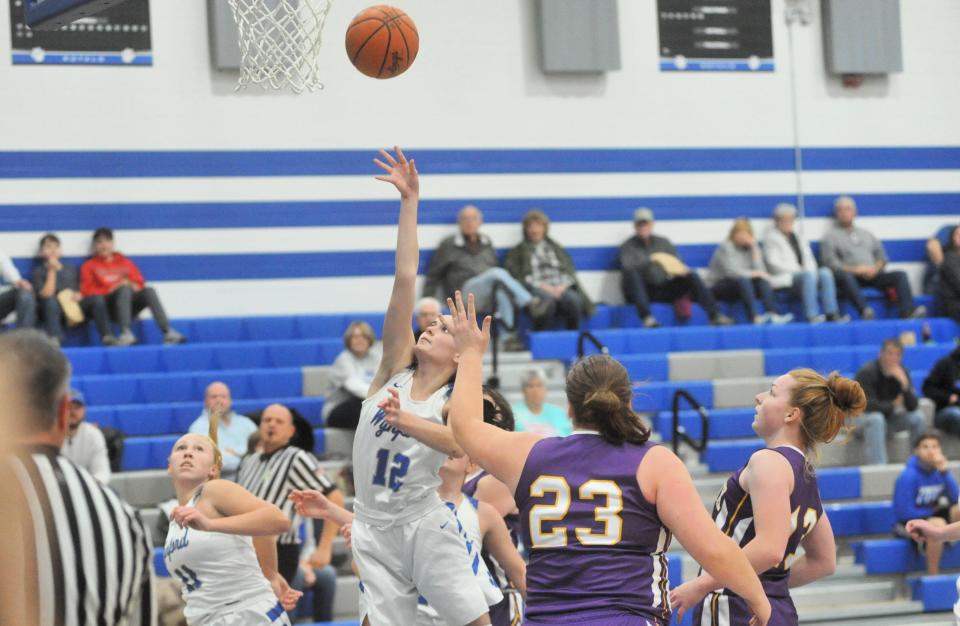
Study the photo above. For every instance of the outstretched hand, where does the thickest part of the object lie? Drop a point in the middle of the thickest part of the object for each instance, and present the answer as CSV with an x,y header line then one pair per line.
x,y
401,173
310,503
466,334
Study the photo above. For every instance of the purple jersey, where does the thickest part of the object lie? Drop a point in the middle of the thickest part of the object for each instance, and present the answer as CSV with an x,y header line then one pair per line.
x,y
733,514
597,547
512,520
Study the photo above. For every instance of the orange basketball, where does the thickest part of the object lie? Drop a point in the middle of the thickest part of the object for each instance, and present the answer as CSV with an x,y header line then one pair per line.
x,y
382,41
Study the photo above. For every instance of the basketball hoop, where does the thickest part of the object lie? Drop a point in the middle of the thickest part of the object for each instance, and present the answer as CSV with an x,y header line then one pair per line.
x,y
280,42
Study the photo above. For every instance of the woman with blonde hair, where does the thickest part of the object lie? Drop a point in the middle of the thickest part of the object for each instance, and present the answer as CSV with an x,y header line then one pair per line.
x,y
221,543
737,272
351,375
771,506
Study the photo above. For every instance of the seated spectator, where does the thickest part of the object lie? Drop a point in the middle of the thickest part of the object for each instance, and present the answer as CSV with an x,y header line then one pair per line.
x,y
534,414
935,248
737,272
948,277
942,385
109,274
792,265
55,282
16,294
426,311
926,490
85,444
546,269
651,270
351,375
891,402
320,578
468,261
858,259
233,430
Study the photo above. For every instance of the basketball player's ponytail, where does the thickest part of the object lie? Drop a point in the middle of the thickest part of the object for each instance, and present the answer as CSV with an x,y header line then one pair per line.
x,y
599,390
212,434
826,404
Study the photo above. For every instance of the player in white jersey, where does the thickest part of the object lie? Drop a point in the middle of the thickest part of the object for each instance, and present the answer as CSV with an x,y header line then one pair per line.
x,y
228,579
405,543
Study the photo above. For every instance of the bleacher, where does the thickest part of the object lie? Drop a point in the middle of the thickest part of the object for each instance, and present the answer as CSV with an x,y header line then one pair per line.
x,y
152,392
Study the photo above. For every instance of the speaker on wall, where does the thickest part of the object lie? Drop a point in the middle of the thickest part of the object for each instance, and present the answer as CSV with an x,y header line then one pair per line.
x,y
862,36
579,35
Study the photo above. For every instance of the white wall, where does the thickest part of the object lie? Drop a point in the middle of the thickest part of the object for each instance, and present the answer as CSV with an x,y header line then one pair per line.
x,y
475,84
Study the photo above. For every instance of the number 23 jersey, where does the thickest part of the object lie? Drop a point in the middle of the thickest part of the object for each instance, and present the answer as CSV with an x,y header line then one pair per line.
x,y
597,546
395,476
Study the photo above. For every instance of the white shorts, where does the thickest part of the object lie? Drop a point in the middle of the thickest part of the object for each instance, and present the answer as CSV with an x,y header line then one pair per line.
x,y
425,557
254,613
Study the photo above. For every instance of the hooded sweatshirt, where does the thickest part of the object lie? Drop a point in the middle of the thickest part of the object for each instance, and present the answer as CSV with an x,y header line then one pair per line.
x,y
919,489
98,276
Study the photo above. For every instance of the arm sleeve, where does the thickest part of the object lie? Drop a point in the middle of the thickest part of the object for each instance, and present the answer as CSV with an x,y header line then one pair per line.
x,y
904,499
910,401
514,264
951,484
829,255
303,474
88,281
933,385
38,278
8,270
135,276
879,254
950,274
100,459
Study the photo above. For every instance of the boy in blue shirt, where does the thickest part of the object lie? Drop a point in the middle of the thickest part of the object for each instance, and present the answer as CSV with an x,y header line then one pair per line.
x,y
926,490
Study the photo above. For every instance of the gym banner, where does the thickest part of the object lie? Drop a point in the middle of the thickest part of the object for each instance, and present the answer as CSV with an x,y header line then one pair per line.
x,y
119,35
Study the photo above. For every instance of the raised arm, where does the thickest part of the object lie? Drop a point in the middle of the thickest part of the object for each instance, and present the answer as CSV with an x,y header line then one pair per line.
x,y
664,480
500,452
496,540
241,512
397,326
433,435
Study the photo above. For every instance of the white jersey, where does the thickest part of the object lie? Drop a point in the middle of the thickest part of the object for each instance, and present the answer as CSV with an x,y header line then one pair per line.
x,y
395,476
216,571
468,525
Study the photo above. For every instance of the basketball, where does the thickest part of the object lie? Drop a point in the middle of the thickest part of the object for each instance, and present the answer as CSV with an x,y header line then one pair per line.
x,y
382,41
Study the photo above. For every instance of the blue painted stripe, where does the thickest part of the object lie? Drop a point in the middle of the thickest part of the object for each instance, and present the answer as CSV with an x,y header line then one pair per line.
x,y
60,217
124,164
381,262
715,65
82,58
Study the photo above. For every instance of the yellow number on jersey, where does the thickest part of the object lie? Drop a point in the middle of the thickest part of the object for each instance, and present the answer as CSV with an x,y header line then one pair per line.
x,y
809,521
608,513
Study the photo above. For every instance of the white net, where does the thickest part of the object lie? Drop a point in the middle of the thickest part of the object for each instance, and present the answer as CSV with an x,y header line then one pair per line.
x,y
280,42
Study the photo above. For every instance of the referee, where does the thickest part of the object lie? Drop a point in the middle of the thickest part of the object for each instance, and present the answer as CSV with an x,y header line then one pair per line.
x,y
276,471
86,557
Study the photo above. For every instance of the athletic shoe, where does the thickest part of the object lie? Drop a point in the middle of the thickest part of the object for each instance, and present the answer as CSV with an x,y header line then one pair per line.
x,y
172,336
777,319
126,338
868,313
919,312
722,320
650,321
837,318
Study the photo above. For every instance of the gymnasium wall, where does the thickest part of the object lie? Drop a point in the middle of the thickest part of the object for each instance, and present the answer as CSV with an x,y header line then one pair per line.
x,y
260,203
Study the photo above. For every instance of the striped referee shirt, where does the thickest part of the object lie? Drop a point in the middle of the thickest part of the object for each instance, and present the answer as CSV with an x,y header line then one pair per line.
x,y
88,555
272,476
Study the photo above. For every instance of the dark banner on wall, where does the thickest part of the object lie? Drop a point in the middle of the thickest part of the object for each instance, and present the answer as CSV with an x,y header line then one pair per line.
x,y
117,36
718,35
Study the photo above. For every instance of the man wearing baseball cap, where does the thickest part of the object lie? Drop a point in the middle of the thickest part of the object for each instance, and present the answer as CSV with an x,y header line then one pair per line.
x,y
651,270
85,444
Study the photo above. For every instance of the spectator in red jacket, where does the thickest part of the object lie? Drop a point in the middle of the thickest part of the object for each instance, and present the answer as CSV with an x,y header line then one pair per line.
x,y
110,274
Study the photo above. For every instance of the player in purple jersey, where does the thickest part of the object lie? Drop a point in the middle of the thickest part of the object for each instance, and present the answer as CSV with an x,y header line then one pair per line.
x,y
771,506
598,507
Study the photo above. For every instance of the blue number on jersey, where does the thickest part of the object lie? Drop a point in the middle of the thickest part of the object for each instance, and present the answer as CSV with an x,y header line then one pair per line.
x,y
188,577
401,464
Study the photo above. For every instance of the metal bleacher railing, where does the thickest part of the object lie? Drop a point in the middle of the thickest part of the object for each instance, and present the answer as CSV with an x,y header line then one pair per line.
x,y
493,380
679,432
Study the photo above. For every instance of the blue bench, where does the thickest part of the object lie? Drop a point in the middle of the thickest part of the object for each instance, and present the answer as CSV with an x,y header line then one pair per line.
x,y
938,593
894,556
850,519
724,423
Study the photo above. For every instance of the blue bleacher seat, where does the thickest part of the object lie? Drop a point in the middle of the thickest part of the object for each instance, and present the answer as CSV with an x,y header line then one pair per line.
x,y
319,441
186,358
183,414
645,367
280,382
938,593
648,340
85,362
239,356
726,456
133,360
828,359
746,337
327,351
776,361
861,518
219,329
177,387
293,353
694,338
310,408
271,328
145,419
838,483
102,416
106,390
553,345
889,556
237,381
136,454
320,326
724,423
787,336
